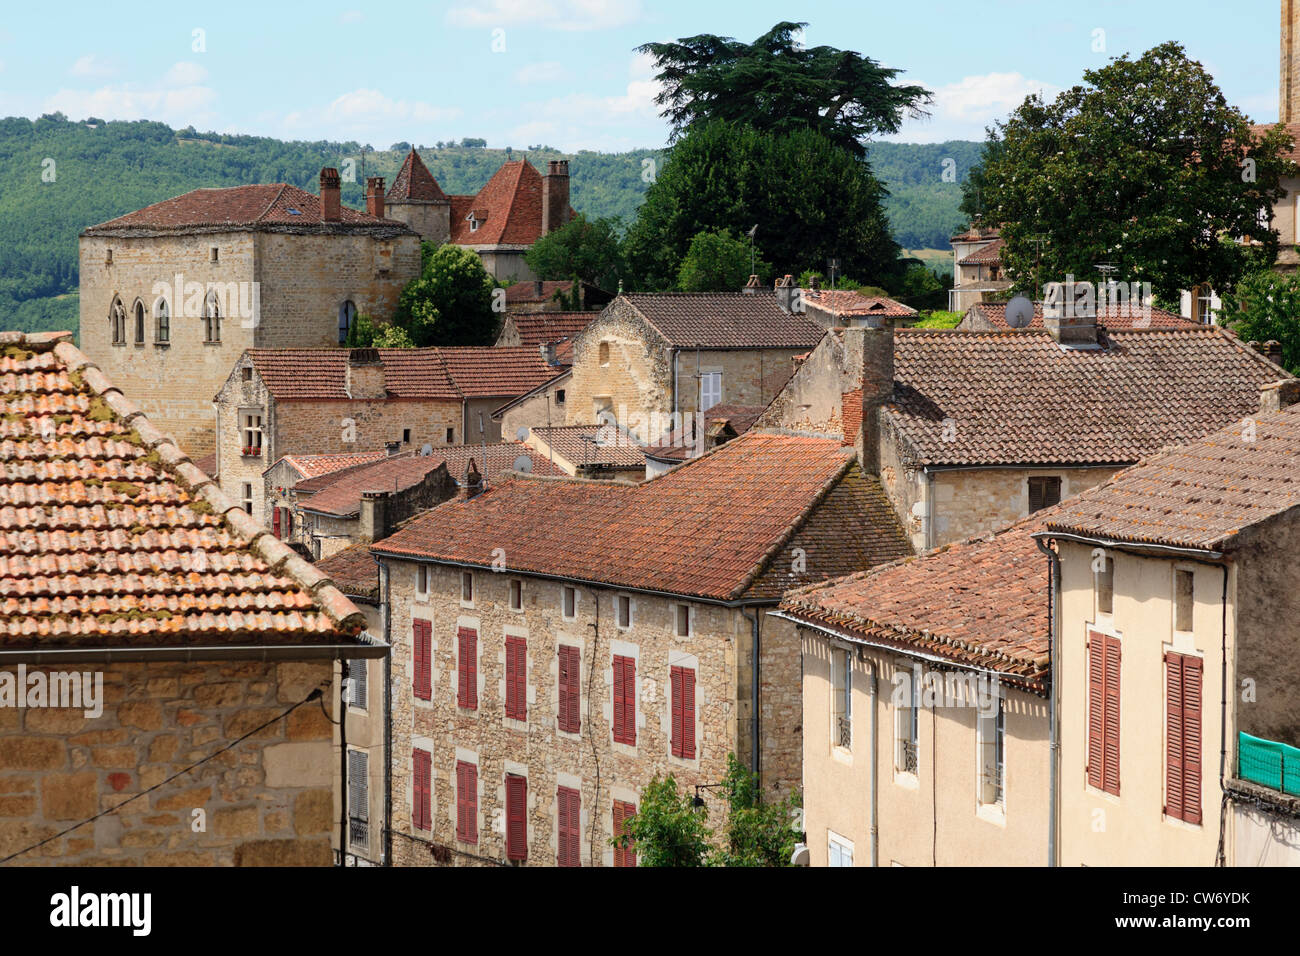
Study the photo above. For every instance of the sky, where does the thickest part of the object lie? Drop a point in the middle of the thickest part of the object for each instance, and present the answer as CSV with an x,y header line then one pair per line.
x,y
564,73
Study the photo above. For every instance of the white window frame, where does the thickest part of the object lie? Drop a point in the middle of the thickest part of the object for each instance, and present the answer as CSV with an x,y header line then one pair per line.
x,y
250,428
1100,615
911,716
358,683
996,723
713,379
247,496
838,849
1177,570
841,697
358,779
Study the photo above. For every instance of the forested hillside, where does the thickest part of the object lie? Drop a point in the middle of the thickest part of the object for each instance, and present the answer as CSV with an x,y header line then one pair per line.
x,y
59,176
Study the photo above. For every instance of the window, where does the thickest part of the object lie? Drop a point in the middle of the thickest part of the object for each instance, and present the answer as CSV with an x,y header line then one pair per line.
x,y
108,257
467,587
992,733
1183,737
423,576
710,390
251,426
604,354
559,396
1104,585
347,315
1043,493
451,435
162,317
624,700
842,698
359,798
467,668
1184,592
1103,712
682,619
281,522
516,678
516,595
246,373
406,436
421,789
624,605
839,851
683,712
466,801
570,691
213,254
909,728
137,312
569,610
568,848
358,677
623,812
117,321
1205,305
422,653
211,319
247,493
516,817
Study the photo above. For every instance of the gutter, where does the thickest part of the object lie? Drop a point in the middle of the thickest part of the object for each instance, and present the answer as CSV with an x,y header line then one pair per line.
x,y
1054,562
371,649
1134,547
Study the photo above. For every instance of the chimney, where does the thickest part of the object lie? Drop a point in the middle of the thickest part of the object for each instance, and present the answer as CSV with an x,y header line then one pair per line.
x,y
548,353
1069,327
876,379
374,515
814,283
555,195
469,485
1275,396
364,378
331,205
751,286
392,448
1273,351
786,294
375,196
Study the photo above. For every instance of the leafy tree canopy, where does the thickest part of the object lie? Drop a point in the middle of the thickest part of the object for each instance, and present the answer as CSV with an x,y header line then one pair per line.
x,y
586,248
776,84
451,301
1270,310
719,262
1144,166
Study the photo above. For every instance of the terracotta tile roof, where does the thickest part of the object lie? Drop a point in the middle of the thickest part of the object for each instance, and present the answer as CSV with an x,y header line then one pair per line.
x,y
111,537
353,571
538,328
310,466
414,181
849,302
725,320
607,445
525,291
509,207
989,255
709,529
1200,495
1112,317
207,464
740,418
1292,128
339,494
1019,398
258,207
448,374
982,603
976,233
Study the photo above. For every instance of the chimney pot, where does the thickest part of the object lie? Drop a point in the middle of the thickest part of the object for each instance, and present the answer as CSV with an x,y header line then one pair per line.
x,y
1275,396
555,195
787,294
375,196
331,203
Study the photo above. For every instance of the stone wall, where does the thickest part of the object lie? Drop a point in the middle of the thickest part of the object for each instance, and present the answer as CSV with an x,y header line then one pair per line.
x,y
537,411
267,801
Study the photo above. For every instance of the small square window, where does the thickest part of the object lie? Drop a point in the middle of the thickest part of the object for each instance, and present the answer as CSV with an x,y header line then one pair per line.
x,y
559,396
516,595
1044,493
1184,594
624,604
406,436
467,586
213,254
248,497
683,620
247,373
1105,586
570,608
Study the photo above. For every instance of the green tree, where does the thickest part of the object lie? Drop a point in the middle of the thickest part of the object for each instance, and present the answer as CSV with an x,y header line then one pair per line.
x,y
450,303
810,199
585,248
1144,166
778,85
1270,310
666,829
758,833
718,262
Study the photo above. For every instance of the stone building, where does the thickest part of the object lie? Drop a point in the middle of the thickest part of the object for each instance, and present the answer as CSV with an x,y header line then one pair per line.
x,y
553,295
173,294
977,267
1179,615
558,642
278,402
537,329
589,451
148,626
500,222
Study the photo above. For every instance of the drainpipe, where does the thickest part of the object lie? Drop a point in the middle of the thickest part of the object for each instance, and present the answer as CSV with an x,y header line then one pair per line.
x,y
343,764
1223,721
875,771
929,510
388,717
1054,562
753,691
674,418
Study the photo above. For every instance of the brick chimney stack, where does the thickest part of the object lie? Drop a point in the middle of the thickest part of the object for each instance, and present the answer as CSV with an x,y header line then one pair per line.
x,y
375,196
470,485
1275,396
365,377
331,202
877,386
787,294
1069,327
555,195
751,286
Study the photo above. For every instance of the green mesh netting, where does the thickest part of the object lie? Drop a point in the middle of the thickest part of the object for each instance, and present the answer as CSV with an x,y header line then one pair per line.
x,y
1269,764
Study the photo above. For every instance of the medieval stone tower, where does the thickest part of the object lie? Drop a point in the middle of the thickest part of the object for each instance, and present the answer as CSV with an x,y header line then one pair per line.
x,y
1289,92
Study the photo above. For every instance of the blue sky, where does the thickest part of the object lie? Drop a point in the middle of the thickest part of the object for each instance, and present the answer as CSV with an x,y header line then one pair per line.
x,y
564,72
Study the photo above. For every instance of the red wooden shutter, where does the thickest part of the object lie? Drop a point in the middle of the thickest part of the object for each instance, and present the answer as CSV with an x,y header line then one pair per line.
x,y
467,668
516,678
1110,772
676,675
422,639
1174,735
421,789
569,814
288,523
275,522
1103,711
1185,801
570,693
625,700
466,802
623,811
516,817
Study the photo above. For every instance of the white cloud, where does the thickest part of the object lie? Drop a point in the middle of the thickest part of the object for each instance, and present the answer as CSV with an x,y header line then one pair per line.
x,y
366,115
586,121
536,74
372,106
178,98
550,14
185,73
351,16
93,65
963,110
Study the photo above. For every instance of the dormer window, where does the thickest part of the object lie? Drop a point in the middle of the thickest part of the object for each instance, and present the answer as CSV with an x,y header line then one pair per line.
x,y
476,218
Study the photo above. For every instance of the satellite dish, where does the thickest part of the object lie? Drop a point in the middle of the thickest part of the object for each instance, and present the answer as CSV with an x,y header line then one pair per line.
x,y
523,464
1020,312
426,450
522,434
